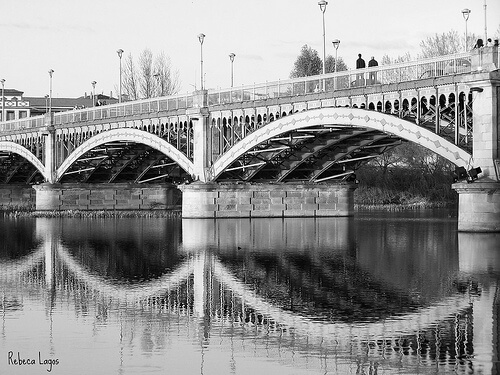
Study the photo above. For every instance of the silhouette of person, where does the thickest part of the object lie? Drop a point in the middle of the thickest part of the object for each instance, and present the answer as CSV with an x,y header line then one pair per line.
x,y
479,43
373,75
360,64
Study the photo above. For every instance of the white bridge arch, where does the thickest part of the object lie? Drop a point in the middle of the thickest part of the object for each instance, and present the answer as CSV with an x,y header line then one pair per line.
x,y
25,153
349,117
128,135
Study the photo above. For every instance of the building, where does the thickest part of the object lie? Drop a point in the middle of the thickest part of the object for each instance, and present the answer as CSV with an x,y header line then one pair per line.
x,y
16,106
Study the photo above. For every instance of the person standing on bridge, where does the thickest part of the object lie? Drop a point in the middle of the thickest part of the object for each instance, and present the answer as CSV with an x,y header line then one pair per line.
x,y
360,64
373,74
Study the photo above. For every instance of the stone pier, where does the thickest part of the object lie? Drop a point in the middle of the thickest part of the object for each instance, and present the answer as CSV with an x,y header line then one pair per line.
x,y
479,199
106,197
16,196
478,206
213,200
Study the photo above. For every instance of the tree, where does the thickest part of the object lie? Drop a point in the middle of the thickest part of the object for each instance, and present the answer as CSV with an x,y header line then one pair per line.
x,y
446,44
308,63
330,64
152,76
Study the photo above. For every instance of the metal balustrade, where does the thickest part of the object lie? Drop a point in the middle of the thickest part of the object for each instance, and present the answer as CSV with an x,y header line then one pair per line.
x,y
350,79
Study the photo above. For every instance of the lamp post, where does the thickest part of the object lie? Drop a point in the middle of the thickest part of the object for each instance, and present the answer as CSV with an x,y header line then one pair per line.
x,y
46,103
466,13
93,93
485,30
51,71
3,98
201,38
157,76
336,43
231,57
120,53
322,6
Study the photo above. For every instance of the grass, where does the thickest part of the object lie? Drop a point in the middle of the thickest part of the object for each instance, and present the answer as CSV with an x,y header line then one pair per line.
x,y
374,198
95,213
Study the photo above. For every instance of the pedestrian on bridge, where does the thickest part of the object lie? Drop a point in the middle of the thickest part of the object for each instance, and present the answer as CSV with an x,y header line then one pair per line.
x,y
360,64
373,74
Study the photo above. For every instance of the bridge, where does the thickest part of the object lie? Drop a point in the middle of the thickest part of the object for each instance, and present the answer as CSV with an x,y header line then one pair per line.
x,y
282,148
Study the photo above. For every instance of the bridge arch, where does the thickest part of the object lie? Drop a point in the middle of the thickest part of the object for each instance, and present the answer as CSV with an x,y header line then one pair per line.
x,y
25,153
130,135
348,117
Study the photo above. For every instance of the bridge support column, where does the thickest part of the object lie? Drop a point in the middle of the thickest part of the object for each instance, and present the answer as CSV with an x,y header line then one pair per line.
x,y
479,201
201,145
212,200
478,206
50,149
121,196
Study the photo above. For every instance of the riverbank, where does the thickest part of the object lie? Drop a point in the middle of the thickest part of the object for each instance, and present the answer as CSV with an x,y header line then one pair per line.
x,y
93,213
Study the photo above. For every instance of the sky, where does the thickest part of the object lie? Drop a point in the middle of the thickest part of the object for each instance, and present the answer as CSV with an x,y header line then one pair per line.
x,y
79,39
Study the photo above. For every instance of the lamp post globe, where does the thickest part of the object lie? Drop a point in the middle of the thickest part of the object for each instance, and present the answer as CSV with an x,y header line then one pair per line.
x,y
51,71
3,99
231,57
93,92
120,54
466,14
201,38
322,6
336,44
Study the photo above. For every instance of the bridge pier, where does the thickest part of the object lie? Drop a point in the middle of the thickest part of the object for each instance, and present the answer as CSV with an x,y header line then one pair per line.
x,y
479,200
478,206
58,197
213,200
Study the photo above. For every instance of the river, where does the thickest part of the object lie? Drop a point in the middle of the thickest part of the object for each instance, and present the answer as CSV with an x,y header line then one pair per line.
x,y
377,293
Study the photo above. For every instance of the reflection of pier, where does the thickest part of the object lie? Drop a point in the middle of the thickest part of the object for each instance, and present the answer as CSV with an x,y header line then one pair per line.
x,y
206,292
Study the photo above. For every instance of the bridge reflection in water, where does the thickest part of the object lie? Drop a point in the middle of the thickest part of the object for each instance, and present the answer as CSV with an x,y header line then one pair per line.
x,y
375,294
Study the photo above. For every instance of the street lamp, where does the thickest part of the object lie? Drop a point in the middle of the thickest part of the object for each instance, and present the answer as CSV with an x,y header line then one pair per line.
x,y
485,29
120,53
3,99
322,6
231,57
157,76
336,44
51,71
201,38
93,93
466,13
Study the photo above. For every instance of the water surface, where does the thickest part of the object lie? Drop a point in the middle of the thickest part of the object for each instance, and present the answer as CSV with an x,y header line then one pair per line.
x,y
380,293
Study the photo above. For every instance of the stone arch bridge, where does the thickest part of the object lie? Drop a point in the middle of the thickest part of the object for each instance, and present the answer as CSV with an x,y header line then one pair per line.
x,y
278,149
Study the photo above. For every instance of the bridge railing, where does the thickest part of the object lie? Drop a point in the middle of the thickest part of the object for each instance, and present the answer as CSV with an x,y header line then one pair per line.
x,y
126,109
383,74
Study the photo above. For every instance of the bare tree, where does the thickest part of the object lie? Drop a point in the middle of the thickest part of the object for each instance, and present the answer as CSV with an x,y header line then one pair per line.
x,y
152,76
146,79
129,79
167,81
446,44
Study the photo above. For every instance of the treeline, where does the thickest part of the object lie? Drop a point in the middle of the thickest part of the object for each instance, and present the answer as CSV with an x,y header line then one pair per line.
x,y
407,175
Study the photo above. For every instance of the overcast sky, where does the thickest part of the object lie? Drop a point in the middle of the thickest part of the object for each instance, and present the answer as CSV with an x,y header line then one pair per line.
x,y
79,39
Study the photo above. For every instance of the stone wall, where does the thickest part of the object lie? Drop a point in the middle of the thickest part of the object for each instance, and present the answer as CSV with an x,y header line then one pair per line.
x,y
106,197
210,200
478,206
17,197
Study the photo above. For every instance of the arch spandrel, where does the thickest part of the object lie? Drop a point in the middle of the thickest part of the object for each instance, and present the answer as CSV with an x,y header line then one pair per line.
x,y
349,117
25,153
127,135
